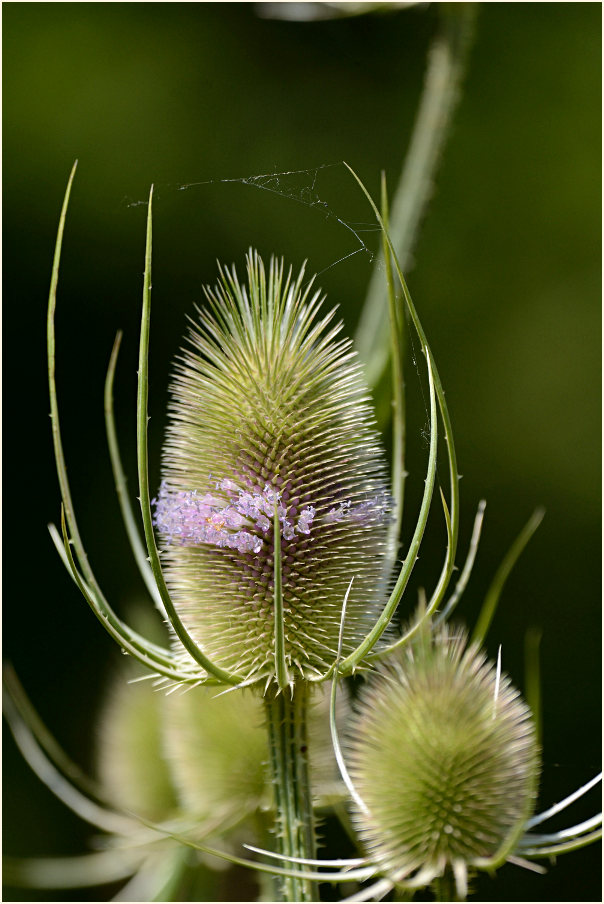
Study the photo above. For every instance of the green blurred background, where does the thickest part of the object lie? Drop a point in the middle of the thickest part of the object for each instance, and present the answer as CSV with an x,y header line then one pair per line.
x,y
506,277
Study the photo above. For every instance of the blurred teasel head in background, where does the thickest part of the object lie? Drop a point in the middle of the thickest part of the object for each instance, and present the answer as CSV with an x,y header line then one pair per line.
x,y
198,755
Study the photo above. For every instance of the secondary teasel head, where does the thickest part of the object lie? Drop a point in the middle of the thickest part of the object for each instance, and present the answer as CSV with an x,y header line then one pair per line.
x,y
270,414
444,758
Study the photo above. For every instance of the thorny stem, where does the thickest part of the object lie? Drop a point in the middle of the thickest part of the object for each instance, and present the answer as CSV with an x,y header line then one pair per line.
x,y
286,719
444,887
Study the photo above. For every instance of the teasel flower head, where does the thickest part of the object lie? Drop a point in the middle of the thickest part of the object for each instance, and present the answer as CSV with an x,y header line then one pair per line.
x,y
216,749
193,754
444,758
130,762
270,425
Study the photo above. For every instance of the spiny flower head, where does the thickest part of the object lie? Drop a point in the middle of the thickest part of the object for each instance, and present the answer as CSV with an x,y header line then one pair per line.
x,y
217,751
269,418
444,757
129,748
197,754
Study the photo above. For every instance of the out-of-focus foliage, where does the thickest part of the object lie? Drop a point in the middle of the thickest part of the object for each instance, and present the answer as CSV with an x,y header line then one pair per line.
x,y
507,276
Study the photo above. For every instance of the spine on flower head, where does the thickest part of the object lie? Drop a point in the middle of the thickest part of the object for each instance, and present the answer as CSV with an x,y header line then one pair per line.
x,y
269,413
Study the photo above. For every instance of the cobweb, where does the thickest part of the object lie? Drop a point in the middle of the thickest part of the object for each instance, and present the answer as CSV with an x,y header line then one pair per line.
x,y
300,186
297,186
311,188
305,187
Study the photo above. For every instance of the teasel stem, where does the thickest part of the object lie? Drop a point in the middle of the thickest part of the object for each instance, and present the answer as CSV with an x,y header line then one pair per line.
x,y
445,888
447,58
286,720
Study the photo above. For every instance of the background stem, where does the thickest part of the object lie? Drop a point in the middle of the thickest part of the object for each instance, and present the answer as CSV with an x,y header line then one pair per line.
x,y
446,65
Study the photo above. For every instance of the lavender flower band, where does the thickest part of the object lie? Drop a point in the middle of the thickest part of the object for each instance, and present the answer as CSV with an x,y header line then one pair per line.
x,y
187,518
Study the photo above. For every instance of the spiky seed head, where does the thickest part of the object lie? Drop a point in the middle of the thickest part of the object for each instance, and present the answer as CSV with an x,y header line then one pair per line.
x,y
194,752
129,750
216,747
198,753
269,411
443,754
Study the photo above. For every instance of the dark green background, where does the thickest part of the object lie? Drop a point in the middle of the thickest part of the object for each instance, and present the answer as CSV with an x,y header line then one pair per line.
x,y
506,277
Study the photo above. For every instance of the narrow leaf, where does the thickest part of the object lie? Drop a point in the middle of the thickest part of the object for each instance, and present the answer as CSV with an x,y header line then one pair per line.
x,y
81,871
88,576
464,577
143,473
136,543
397,340
532,678
563,804
352,661
493,595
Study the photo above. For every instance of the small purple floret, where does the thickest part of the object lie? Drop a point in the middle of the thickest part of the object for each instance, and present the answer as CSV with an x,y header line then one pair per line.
x,y
372,510
305,520
188,518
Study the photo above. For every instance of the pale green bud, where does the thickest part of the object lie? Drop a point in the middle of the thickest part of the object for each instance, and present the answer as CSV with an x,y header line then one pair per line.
x,y
443,754
200,753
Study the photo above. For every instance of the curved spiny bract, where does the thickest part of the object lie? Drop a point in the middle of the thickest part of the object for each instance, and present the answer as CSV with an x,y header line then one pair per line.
x,y
269,412
443,755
